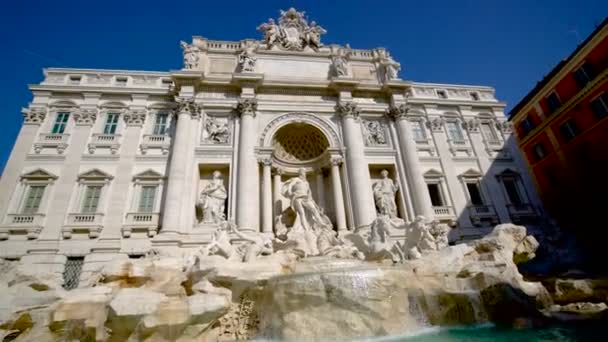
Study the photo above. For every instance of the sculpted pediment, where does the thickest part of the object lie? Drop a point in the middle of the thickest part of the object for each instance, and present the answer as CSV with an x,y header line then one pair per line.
x,y
38,174
95,174
148,174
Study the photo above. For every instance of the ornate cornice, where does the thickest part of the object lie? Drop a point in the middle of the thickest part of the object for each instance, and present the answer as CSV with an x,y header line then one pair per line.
x,y
85,116
347,109
134,116
33,115
188,105
247,107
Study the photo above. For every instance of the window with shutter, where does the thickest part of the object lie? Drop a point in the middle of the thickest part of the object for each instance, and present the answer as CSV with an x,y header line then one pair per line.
x,y
33,199
111,123
91,198
61,121
146,200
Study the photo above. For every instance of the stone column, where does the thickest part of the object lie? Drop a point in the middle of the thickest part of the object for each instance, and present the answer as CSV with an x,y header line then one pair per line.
x,y
356,165
419,192
247,205
336,184
276,197
266,196
178,167
320,188
33,117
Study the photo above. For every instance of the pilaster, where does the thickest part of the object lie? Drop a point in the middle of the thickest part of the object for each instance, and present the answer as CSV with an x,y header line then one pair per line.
x,y
248,188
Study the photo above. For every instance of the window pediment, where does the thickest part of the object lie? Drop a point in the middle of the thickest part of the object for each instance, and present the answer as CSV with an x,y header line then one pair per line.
x,y
95,174
506,173
148,175
38,174
433,173
471,173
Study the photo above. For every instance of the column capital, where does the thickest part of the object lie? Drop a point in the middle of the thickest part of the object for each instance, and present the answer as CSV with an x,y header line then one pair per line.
x,y
347,109
134,116
85,116
436,124
278,171
247,106
188,105
336,161
505,126
471,125
398,112
265,161
33,115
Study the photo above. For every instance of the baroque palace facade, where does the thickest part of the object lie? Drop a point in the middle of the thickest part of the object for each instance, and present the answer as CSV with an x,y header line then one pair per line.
x,y
119,162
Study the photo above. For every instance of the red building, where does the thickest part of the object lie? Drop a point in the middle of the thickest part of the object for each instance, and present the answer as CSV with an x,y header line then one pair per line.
x,y
562,129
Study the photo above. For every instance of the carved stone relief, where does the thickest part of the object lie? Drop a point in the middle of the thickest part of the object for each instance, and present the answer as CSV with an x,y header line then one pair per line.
x,y
292,32
216,131
374,133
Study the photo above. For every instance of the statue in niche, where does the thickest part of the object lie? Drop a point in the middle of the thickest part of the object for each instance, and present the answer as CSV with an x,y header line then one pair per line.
x,y
374,133
191,55
247,60
339,64
212,200
217,131
384,195
309,215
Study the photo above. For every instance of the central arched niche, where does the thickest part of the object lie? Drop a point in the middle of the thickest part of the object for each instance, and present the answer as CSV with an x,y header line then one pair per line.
x,y
299,144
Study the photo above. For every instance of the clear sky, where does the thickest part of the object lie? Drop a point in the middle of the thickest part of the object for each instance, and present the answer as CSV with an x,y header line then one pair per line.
x,y
508,45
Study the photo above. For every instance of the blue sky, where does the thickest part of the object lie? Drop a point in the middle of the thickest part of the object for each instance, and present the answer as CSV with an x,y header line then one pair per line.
x,y
508,45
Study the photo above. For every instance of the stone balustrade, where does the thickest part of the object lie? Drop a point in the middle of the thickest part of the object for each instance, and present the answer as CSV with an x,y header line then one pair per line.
x,y
110,141
90,223
56,141
143,222
155,141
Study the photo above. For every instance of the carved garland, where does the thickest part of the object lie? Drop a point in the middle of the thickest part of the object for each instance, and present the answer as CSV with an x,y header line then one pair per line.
x,y
134,117
278,122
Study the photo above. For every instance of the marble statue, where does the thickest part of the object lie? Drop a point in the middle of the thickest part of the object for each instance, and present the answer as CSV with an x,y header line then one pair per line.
x,y
339,65
191,55
390,67
385,191
216,131
255,245
213,199
374,133
292,32
247,60
271,31
220,244
312,35
309,216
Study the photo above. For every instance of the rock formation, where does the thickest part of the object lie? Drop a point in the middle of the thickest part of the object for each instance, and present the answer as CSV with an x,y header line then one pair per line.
x,y
217,298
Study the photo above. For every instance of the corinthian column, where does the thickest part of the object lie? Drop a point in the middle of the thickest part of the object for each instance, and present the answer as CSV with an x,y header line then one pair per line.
x,y
266,196
178,167
336,185
356,165
248,189
420,198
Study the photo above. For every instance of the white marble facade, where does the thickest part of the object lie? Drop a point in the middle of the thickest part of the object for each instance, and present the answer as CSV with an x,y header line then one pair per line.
x,y
112,161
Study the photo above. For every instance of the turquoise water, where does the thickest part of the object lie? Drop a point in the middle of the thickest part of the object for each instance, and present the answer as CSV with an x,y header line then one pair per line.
x,y
581,332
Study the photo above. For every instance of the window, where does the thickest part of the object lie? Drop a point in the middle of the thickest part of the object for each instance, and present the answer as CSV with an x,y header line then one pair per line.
x,y
75,79
599,106
121,81
527,125
111,123
454,131
538,151
553,102
568,130
474,96
33,199
91,198
61,120
435,193
71,273
160,125
488,132
442,94
512,191
146,199
583,75
474,194
418,131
